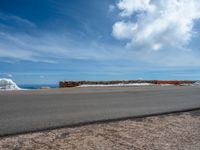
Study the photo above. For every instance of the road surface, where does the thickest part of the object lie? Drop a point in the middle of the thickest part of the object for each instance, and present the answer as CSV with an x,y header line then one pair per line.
x,y
28,111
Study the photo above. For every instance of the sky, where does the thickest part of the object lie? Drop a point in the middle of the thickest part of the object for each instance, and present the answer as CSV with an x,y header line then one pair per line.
x,y
43,42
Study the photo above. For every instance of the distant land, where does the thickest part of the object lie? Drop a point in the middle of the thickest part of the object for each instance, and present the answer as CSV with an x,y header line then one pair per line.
x,y
64,84
8,84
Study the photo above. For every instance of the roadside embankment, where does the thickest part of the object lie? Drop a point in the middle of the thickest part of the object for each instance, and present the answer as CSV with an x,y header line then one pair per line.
x,y
65,84
167,132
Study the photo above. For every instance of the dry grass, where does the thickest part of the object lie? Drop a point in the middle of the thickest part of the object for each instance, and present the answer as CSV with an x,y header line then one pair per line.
x,y
170,132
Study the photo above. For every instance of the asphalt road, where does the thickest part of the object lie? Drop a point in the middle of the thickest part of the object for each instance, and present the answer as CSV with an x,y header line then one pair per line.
x,y
26,111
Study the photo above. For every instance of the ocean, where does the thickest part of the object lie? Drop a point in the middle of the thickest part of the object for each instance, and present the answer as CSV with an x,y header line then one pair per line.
x,y
37,86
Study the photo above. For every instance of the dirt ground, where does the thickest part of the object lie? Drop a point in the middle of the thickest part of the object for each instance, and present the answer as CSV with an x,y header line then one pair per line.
x,y
166,132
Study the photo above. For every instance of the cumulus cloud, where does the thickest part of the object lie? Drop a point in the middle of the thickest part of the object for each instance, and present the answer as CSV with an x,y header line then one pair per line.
x,y
129,7
156,24
124,30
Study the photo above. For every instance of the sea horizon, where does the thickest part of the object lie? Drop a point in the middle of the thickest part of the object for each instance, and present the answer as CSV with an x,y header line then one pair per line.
x,y
37,86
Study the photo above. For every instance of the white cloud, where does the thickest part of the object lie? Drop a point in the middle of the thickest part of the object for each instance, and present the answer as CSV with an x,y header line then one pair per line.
x,y
129,7
156,24
122,30
143,32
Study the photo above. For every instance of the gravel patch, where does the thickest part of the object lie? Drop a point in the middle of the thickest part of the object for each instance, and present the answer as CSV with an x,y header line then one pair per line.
x,y
167,132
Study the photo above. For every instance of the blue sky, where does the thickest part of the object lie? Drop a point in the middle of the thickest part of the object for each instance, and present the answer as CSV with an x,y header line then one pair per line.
x,y
43,42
